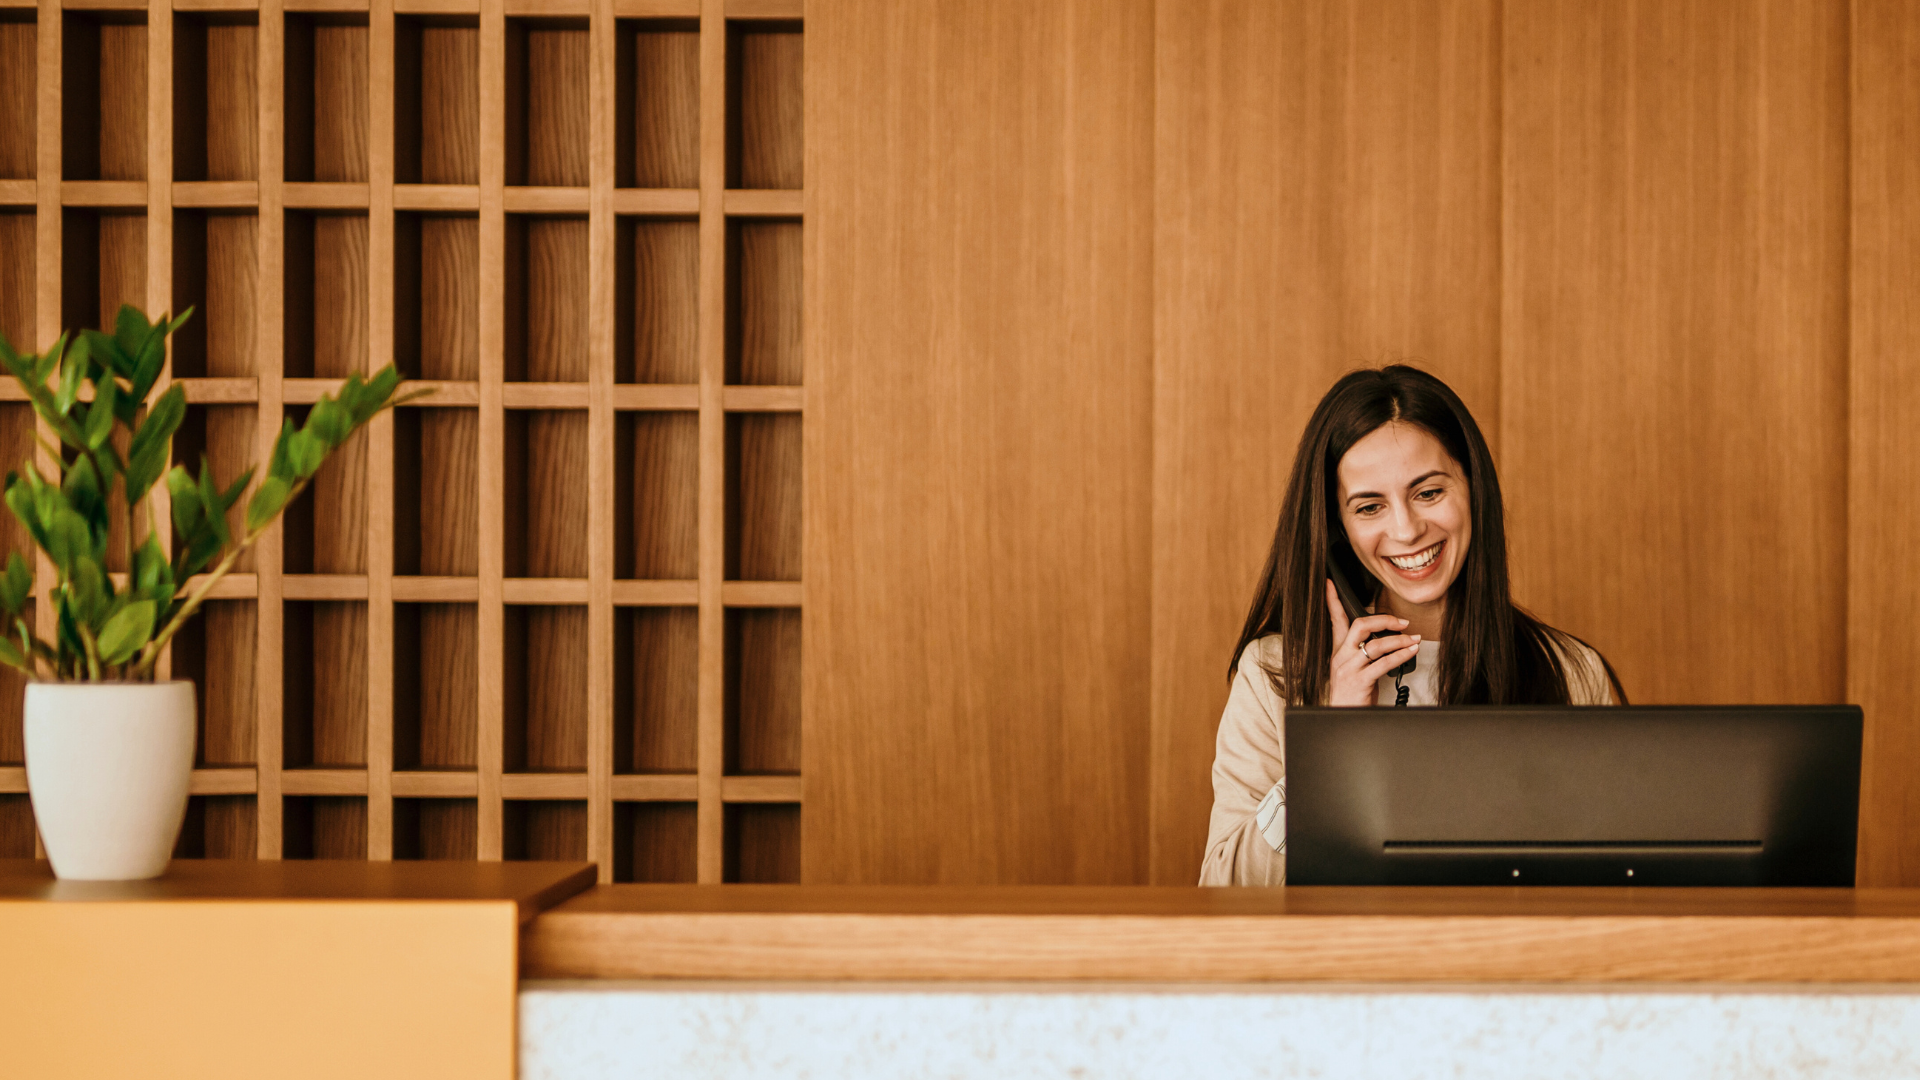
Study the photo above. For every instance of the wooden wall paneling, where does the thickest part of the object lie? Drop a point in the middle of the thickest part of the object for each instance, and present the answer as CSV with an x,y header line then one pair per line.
x,y
657,137
19,102
19,839
492,473
979,416
654,842
436,494
548,298
452,830
216,272
325,287
103,264
326,827
658,321
50,237
1883,592
763,691
437,305
223,436
657,691
545,829
275,331
435,828
1327,198
218,827
710,856
765,105
764,843
546,493
326,531
764,521
1675,337
603,300
548,72
17,422
326,98
325,674
104,94
437,98
763,303
18,272
545,668
215,92
216,650
436,682
656,500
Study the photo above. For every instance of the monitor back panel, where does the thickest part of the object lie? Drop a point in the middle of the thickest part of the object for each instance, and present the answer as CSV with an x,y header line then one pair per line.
x,y
1474,795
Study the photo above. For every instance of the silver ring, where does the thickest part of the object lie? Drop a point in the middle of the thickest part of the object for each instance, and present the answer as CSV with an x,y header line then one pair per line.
x,y
1364,652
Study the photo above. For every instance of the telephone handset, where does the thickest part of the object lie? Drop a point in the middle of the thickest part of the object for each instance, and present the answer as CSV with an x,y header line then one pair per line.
x,y
1350,600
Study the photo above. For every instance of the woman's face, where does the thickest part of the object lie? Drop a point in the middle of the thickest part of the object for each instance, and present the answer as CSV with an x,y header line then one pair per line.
x,y
1403,500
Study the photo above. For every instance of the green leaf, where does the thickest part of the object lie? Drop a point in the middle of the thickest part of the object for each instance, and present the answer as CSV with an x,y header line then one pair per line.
x,y
25,508
146,368
98,427
267,502
16,585
92,593
83,491
232,494
131,330
188,513
152,576
43,365
306,453
10,655
330,421
179,321
73,373
280,464
108,351
210,496
126,632
70,540
153,443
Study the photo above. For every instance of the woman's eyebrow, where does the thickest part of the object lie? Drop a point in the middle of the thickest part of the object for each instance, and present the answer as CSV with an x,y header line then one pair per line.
x,y
1426,476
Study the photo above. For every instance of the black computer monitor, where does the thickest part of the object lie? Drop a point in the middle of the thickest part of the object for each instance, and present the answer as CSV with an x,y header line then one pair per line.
x,y
1572,795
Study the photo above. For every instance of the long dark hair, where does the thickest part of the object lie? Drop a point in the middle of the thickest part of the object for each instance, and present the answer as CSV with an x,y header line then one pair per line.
x,y
1495,654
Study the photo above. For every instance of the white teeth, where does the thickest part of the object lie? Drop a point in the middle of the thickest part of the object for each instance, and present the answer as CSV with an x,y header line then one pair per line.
x,y
1416,560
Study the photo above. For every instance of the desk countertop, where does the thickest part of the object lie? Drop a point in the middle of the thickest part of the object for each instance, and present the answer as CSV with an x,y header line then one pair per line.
x,y
1351,935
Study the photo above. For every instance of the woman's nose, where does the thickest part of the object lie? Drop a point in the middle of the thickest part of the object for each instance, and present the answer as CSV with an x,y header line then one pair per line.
x,y
1404,528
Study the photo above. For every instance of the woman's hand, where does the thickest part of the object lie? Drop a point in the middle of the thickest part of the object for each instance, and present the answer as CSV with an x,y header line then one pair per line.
x,y
1354,671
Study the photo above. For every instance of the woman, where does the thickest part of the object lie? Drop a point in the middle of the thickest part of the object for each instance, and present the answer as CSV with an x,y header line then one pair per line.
x,y
1393,490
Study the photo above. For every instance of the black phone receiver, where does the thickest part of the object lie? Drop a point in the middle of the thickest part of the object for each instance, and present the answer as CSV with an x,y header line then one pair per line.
x,y
1350,600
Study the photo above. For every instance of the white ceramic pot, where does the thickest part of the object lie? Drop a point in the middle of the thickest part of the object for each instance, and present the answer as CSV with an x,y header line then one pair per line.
x,y
108,766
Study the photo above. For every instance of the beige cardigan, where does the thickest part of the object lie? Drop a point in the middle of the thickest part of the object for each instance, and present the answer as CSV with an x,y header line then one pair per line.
x,y
1247,839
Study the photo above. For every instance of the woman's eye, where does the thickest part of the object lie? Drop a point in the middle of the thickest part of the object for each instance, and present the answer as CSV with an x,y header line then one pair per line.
x,y
1367,509
1430,494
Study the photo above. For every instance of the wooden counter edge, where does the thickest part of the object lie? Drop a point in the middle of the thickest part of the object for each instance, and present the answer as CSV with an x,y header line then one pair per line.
x,y
1224,949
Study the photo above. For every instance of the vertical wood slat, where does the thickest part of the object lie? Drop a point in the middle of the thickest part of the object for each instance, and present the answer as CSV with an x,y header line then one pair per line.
x,y
270,615
159,296
47,276
492,333
1883,594
379,460
601,319
713,360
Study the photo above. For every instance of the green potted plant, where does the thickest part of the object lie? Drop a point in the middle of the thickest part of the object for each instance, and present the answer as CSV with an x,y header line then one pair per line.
x,y
110,750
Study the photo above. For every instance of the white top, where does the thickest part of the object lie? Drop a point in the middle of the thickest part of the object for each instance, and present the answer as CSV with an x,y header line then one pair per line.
x,y
1247,838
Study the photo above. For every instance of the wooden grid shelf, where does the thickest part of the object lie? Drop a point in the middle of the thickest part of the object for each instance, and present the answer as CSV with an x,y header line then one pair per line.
x,y
552,610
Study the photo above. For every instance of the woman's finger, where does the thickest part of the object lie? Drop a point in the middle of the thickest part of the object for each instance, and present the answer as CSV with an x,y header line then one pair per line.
x,y
1382,665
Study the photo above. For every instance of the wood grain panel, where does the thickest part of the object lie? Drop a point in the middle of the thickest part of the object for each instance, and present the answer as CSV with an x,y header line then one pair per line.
x,y
103,264
19,104
546,494
656,691
104,96
218,827
1883,590
764,106
222,436
654,842
325,827
1328,198
216,98
763,844
657,335
763,691
435,828
325,295
325,530
546,316
436,281
325,650
436,681
216,650
216,272
1674,392
18,834
764,524
547,97
657,509
763,303
13,690
978,441
657,103
437,101
545,830
545,670
326,98
436,497
18,279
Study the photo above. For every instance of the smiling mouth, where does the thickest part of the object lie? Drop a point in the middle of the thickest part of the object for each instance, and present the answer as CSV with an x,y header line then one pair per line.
x,y
1417,561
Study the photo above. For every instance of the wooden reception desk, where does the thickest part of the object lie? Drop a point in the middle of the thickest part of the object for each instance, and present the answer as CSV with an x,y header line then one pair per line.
x,y
1318,935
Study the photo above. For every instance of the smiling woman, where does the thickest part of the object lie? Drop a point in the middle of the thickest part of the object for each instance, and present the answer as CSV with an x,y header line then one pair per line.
x,y
1392,489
